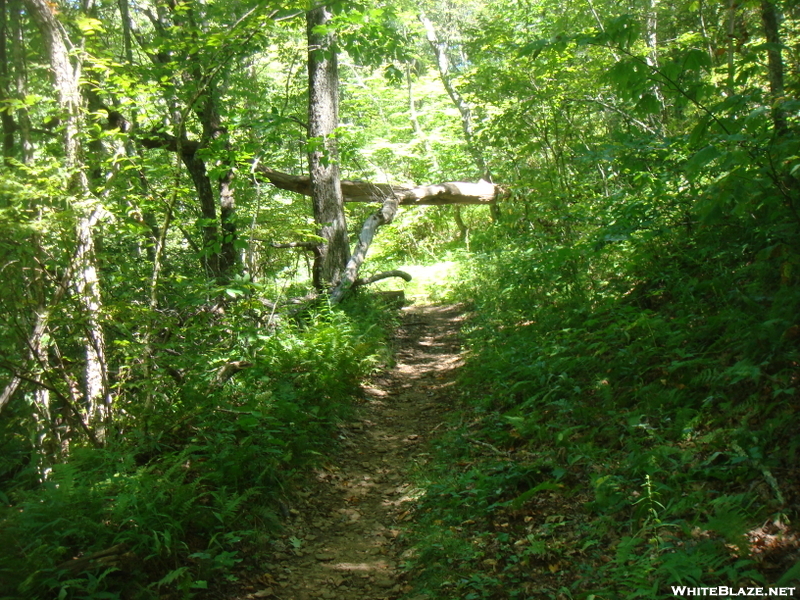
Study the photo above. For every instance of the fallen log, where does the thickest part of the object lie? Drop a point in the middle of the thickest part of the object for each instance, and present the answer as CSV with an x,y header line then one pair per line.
x,y
451,192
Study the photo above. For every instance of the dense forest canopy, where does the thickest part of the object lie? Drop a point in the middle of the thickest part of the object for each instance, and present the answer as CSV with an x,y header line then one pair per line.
x,y
195,194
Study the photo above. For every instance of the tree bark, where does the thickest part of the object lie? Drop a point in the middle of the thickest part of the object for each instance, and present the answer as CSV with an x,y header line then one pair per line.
x,y
208,208
770,17
215,134
733,5
450,192
326,192
20,76
383,216
651,39
66,77
6,117
213,130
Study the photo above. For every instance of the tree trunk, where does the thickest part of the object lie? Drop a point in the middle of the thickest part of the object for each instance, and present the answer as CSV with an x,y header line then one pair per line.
x,y
651,39
450,192
213,130
463,230
6,117
208,208
732,7
326,193
66,76
443,64
20,76
87,284
127,38
383,216
770,18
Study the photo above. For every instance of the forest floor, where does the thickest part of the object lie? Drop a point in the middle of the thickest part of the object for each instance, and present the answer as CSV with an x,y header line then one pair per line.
x,y
343,537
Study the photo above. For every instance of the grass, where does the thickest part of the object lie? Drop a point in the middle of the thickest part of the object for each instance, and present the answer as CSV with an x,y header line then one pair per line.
x,y
635,426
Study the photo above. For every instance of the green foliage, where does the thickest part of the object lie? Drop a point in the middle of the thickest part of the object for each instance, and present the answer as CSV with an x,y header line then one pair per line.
x,y
200,465
633,340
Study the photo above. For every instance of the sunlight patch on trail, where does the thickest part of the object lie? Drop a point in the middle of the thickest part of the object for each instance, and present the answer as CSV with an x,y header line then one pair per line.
x,y
429,283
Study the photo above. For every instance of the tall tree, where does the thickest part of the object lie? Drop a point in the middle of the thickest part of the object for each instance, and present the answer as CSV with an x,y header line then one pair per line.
x,y
332,254
771,19
66,72
6,116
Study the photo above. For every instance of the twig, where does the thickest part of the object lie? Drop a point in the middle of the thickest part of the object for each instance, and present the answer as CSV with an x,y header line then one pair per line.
x,y
486,445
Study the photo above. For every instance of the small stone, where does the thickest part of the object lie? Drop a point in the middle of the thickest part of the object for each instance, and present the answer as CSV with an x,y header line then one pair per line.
x,y
263,593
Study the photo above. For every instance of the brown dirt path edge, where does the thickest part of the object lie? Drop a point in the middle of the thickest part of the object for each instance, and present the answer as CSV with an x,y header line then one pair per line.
x,y
341,542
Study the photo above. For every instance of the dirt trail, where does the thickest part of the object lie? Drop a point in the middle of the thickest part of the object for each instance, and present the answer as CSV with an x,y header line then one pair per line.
x,y
342,541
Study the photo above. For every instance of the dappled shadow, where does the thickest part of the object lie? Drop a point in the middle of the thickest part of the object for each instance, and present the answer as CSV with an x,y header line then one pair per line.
x,y
342,535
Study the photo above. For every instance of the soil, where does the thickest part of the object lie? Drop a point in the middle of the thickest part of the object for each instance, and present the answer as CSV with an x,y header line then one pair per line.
x,y
342,541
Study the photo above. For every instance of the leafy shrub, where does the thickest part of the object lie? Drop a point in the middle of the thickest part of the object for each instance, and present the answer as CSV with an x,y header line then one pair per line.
x,y
202,466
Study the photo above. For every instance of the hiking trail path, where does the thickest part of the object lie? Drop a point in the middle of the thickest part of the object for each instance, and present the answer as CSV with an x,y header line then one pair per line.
x,y
342,539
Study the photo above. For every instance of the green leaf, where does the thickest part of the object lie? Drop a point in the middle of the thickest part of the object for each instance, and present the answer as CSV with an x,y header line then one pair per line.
x,y
533,48
89,26
172,576
517,502
696,59
700,160
648,105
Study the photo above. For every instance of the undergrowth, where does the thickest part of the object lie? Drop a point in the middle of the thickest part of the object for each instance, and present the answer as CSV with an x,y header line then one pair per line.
x,y
201,467
628,422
